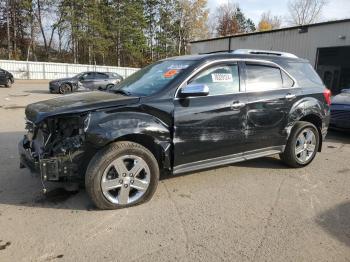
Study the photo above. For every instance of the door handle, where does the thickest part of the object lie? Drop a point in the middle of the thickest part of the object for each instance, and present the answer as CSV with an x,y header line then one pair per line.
x,y
290,96
237,105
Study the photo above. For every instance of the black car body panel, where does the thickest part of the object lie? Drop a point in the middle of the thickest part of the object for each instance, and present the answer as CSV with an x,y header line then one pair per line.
x,y
340,111
184,134
5,76
75,103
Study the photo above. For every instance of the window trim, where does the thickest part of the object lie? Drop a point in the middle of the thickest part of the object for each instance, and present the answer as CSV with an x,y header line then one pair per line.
x,y
240,61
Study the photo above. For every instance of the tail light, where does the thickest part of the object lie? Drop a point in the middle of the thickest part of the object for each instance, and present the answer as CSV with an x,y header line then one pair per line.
x,y
327,96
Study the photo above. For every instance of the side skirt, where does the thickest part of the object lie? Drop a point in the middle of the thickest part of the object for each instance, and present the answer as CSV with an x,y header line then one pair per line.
x,y
229,159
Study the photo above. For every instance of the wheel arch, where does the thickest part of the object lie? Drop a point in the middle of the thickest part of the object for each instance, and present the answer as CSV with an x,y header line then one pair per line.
x,y
158,149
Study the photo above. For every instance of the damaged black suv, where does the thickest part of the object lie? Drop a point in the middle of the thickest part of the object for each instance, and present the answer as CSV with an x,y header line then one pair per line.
x,y
178,115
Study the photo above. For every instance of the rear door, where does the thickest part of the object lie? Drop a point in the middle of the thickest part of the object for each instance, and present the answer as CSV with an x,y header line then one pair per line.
x,y
270,93
211,126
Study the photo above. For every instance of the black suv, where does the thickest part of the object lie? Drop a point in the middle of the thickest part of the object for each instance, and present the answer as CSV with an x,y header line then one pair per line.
x,y
180,115
85,81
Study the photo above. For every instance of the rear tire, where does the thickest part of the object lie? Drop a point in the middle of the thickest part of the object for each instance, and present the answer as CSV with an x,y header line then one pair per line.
x,y
121,175
302,145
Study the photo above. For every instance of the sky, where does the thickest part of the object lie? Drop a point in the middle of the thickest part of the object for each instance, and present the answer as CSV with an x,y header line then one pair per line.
x,y
335,9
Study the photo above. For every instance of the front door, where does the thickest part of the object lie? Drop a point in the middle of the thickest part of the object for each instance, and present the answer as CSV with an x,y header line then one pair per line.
x,y
270,95
87,81
211,126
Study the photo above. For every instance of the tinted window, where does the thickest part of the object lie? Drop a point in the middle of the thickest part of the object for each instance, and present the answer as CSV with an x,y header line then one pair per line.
x,y
287,81
101,76
304,74
223,79
260,78
88,76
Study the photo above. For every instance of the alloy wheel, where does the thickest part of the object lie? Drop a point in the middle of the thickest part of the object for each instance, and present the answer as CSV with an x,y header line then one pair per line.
x,y
125,180
305,145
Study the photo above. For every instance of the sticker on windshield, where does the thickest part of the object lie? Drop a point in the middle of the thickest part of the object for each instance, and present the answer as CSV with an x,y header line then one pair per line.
x,y
170,73
222,78
178,67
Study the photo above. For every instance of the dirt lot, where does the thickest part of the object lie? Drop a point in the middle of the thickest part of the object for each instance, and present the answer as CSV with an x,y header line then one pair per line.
x,y
253,211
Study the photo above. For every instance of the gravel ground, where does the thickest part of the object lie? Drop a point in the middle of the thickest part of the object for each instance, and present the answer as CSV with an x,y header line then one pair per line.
x,y
258,210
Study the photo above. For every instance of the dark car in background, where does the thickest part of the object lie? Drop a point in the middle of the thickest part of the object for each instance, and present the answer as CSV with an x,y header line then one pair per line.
x,y
85,81
6,78
340,110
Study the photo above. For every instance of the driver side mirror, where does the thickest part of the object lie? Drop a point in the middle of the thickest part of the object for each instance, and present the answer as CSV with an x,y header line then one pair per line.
x,y
194,90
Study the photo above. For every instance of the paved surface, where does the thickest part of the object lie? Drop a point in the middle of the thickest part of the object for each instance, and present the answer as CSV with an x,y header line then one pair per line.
x,y
252,211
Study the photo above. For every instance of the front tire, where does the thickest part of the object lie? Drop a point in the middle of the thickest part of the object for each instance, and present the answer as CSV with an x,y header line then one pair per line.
x,y
8,83
65,89
123,174
302,145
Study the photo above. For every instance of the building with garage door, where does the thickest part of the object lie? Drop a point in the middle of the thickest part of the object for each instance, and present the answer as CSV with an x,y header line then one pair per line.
x,y
326,45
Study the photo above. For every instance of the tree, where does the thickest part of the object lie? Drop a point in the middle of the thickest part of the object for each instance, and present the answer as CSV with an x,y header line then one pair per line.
x,y
269,22
191,17
231,20
303,12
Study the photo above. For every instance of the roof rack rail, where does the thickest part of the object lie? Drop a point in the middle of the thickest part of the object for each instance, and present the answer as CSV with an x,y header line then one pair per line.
x,y
263,52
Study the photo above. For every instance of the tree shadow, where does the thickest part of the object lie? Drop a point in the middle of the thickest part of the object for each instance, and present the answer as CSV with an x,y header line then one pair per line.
x,y
336,222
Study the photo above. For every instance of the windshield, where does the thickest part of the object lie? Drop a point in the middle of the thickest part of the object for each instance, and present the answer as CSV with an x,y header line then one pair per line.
x,y
153,78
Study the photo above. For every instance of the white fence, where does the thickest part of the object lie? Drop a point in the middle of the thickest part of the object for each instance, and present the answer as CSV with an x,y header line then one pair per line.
x,y
42,70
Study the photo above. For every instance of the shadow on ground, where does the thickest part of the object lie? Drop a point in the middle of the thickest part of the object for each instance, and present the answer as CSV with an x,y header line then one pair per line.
x,y
336,221
46,92
339,137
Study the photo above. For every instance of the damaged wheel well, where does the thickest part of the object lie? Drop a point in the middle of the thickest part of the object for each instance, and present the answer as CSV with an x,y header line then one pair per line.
x,y
149,143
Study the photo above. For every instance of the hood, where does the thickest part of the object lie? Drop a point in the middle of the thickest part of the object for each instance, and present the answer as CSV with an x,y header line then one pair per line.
x,y
76,103
341,99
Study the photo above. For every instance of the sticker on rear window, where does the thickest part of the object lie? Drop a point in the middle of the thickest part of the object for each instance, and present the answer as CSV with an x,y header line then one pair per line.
x,y
223,78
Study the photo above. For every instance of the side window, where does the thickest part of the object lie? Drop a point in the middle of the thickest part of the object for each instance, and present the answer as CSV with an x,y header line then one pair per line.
x,y
89,76
287,81
261,77
101,76
221,79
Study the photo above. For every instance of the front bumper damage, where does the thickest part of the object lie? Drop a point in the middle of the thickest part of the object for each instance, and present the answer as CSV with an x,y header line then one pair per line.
x,y
50,169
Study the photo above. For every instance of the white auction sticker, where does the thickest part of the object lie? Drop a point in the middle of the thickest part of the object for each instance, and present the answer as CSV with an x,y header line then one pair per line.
x,y
222,78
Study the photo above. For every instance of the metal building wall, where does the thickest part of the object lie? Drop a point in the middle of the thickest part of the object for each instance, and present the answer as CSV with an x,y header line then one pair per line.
x,y
302,44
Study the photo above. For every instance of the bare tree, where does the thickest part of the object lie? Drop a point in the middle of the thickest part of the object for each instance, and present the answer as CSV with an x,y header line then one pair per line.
x,y
303,12
227,23
269,22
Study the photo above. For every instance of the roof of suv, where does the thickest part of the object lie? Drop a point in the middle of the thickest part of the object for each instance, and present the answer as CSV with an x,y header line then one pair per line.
x,y
227,55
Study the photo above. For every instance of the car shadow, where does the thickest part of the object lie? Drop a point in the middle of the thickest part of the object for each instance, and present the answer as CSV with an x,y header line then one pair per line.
x,y
336,222
338,136
37,92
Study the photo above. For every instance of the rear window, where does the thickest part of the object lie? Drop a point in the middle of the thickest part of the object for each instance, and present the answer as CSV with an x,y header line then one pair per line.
x,y
304,74
260,78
